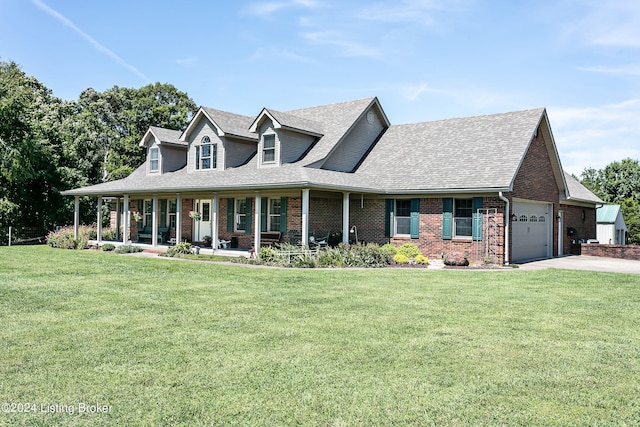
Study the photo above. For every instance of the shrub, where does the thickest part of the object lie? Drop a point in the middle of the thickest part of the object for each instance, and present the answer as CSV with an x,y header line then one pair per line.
x,y
409,250
65,239
421,259
401,258
456,259
389,248
107,247
109,234
128,249
181,248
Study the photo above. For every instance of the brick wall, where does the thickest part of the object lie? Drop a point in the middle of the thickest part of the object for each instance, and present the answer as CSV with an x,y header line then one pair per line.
x,y
611,251
585,226
368,217
536,181
325,215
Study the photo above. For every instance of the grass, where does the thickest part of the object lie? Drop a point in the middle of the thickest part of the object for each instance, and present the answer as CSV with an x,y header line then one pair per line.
x,y
167,342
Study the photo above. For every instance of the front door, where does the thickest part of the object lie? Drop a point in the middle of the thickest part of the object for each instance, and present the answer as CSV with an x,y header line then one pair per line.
x,y
202,227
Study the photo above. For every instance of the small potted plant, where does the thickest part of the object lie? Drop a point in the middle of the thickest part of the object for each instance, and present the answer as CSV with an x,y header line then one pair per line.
x,y
137,216
207,240
194,215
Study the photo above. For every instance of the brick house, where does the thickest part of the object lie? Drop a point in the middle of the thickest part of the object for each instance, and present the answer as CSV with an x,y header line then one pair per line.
x,y
488,186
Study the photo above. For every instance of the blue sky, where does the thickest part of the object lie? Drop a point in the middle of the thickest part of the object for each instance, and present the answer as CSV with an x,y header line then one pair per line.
x,y
424,59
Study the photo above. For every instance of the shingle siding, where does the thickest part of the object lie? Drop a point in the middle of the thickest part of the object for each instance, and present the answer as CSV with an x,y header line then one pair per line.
x,y
355,145
204,129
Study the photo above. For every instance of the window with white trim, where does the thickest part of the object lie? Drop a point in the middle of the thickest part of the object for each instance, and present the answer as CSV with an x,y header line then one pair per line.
x,y
154,159
268,148
402,217
172,213
274,214
240,215
463,218
148,210
206,154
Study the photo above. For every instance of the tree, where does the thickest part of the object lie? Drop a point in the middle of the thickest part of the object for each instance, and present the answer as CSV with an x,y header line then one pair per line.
x,y
30,151
631,214
619,183
615,182
108,126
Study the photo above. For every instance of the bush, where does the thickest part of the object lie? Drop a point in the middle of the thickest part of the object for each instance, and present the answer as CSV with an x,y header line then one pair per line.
x,y
108,247
401,259
181,248
409,250
456,259
128,249
389,248
65,239
421,259
109,234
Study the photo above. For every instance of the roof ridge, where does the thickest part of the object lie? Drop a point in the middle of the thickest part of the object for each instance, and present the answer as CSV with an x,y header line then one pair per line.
x,y
451,119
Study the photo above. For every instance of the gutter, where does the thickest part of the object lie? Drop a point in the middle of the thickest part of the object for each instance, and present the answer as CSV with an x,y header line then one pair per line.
x,y
506,228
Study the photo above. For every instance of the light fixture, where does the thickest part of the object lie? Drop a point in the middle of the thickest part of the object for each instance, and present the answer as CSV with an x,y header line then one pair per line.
x,y
354,230
514,217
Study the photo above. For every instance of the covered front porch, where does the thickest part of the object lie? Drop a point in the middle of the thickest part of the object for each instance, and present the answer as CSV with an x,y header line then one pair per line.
x,y
223,218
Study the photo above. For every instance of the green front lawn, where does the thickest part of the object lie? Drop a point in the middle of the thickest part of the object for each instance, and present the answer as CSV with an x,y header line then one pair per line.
x,y
167,342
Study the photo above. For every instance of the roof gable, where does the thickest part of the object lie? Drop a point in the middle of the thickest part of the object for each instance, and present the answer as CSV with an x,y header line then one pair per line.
x,y
337,120
162,136
287,121
225,124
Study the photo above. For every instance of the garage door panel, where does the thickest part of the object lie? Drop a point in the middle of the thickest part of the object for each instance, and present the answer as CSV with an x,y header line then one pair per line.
x,y
530,231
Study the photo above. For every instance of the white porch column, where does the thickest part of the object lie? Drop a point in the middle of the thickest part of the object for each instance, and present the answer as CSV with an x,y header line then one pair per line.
x,y
118,218
154,221
99,220
214,221
127,219
76,218
257,220
305,216
178,218
345,217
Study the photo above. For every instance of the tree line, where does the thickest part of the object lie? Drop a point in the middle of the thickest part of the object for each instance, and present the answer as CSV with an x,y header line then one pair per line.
x,y
48,145
618,183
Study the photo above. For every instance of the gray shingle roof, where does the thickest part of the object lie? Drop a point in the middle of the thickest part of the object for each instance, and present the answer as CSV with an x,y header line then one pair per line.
x,y
470,154
292,121
577,191
230,123
482,152
168,136
336,120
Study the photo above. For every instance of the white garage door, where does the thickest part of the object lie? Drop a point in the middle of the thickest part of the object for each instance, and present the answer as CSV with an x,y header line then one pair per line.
x,y
531,232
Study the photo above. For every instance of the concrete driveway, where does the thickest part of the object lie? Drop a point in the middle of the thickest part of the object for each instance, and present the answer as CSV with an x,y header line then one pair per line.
x,y
583,262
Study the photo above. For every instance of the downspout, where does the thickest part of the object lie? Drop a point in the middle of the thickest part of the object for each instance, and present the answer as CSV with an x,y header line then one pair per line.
x,y
506,227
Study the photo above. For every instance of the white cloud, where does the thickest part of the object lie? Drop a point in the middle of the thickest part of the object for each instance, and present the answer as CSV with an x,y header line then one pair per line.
x,y
99,46
347,47
188,61
613,23
412,92
420,11
596,136
266,8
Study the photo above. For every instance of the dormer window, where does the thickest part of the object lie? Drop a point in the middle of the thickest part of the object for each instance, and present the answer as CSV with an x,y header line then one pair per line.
x,y
269,149
206,154
154,159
